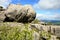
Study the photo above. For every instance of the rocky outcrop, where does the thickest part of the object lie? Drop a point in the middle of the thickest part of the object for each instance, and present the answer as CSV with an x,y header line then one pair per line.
x,y
2,16
54,30
19,13
39,32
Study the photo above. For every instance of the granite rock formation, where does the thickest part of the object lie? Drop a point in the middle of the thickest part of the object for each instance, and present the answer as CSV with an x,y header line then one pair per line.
x,y
19,13
40,32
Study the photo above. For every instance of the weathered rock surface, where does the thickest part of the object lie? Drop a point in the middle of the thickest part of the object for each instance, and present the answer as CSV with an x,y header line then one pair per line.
x,y
38,28
18,13
2,16
54,30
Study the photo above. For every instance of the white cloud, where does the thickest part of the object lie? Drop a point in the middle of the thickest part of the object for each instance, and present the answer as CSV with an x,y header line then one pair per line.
x,y
48,16
4,3
48,4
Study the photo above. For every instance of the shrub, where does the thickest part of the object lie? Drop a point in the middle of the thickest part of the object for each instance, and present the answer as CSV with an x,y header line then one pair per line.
x,y
15,33
45,35
36,21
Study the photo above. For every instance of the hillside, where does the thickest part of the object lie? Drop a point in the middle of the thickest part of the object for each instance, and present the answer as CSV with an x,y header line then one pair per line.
x,y
55,22
28,31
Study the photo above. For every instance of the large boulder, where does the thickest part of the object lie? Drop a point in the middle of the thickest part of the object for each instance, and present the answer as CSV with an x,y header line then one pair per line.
x,y
20,13
11,12
27,14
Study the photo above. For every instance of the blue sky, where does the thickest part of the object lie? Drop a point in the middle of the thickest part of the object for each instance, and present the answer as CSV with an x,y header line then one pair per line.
x,y
45,9
23,2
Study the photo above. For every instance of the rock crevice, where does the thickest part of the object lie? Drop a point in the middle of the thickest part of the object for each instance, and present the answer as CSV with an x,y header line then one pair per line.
x,y
18,13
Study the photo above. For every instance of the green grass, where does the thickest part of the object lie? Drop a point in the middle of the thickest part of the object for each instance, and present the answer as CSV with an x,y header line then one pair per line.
x,y
36,21
19,32
15,33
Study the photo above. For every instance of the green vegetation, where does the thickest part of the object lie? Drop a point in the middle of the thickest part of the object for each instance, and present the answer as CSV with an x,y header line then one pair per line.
x,y
36,21
43,34
20,33
1,8
49,23
56,23
46,35
15,33
53,23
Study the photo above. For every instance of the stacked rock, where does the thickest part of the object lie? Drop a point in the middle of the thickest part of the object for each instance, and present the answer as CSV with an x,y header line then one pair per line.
x,y
19,13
